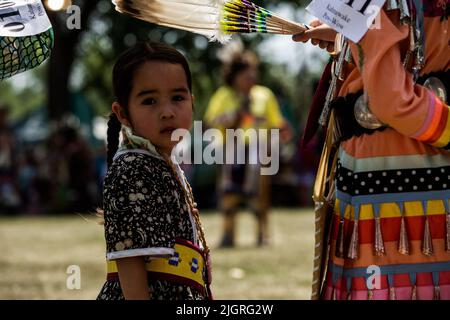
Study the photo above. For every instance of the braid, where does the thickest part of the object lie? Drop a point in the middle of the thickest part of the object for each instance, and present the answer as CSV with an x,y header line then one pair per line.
x,y
114,127
200,231
189,195
196,214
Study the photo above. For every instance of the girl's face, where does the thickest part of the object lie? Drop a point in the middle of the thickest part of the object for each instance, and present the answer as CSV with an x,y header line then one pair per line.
x,y
159,103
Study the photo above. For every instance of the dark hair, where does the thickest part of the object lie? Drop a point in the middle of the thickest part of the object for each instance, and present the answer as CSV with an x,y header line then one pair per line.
x,y
240,62
122,78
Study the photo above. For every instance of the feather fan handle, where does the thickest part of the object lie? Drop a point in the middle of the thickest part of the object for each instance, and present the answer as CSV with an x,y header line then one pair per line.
x,y
215,19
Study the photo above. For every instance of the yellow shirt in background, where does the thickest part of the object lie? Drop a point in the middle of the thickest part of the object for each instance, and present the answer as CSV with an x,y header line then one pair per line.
x,y
264,109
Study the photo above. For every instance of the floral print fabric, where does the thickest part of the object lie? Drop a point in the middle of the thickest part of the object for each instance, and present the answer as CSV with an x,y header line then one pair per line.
x,y
144,207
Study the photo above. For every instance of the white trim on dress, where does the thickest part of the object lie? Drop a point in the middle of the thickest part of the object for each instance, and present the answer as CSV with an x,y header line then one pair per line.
x,y
159,252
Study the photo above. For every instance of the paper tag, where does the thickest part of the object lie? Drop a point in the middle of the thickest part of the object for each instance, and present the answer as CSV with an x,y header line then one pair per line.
x,y
21,18
352,18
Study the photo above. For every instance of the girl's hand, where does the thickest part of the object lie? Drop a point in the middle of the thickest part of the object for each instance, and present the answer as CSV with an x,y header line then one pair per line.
x,y
320,34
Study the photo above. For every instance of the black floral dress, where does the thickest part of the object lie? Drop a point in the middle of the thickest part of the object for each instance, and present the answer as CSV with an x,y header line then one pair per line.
x,y
145,211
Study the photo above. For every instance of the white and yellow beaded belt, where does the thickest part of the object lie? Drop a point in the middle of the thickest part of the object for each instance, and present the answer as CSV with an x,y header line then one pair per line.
x,y
186,266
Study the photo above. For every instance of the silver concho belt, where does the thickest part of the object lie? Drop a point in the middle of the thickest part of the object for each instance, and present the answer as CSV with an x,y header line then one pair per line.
x,y
368,120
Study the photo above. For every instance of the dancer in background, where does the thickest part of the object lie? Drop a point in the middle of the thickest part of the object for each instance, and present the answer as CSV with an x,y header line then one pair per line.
x,y
242,104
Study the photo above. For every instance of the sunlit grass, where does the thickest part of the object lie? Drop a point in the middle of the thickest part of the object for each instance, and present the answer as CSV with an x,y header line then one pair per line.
x,y
36,252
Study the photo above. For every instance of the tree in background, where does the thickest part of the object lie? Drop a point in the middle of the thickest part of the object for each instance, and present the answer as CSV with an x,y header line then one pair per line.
x,y
63,57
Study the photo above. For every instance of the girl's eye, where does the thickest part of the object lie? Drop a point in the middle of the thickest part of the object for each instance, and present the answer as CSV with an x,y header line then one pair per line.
x,y
149,101
178,98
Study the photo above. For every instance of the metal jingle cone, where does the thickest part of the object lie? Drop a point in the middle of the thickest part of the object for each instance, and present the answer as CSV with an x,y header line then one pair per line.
x,y
403,243
414,293
437,293
370,295
401,5
379,243
438,87
392,295
354,242
339,251
427,245
334,294
364,115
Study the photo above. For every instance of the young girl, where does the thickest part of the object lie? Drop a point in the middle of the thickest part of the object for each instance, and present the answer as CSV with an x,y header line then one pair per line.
x,y
155,244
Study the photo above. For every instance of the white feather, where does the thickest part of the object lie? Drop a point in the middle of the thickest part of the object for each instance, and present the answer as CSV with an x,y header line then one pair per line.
x,y
198,16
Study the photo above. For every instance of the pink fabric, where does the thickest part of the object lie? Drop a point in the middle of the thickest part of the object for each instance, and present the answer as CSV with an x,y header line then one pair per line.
x,y
445,292
425,293
359,295
401,293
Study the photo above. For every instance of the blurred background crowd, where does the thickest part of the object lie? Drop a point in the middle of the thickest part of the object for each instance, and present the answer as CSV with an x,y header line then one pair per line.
x,y
58,173
61,170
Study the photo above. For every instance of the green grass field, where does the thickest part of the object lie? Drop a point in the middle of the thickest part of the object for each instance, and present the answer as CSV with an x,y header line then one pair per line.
x,y
37,251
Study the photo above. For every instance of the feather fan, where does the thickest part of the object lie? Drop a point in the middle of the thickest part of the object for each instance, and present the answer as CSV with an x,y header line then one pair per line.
x,y
215,19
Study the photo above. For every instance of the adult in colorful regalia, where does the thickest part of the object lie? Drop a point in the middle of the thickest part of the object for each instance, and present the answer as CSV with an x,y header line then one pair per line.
x,y
387,157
